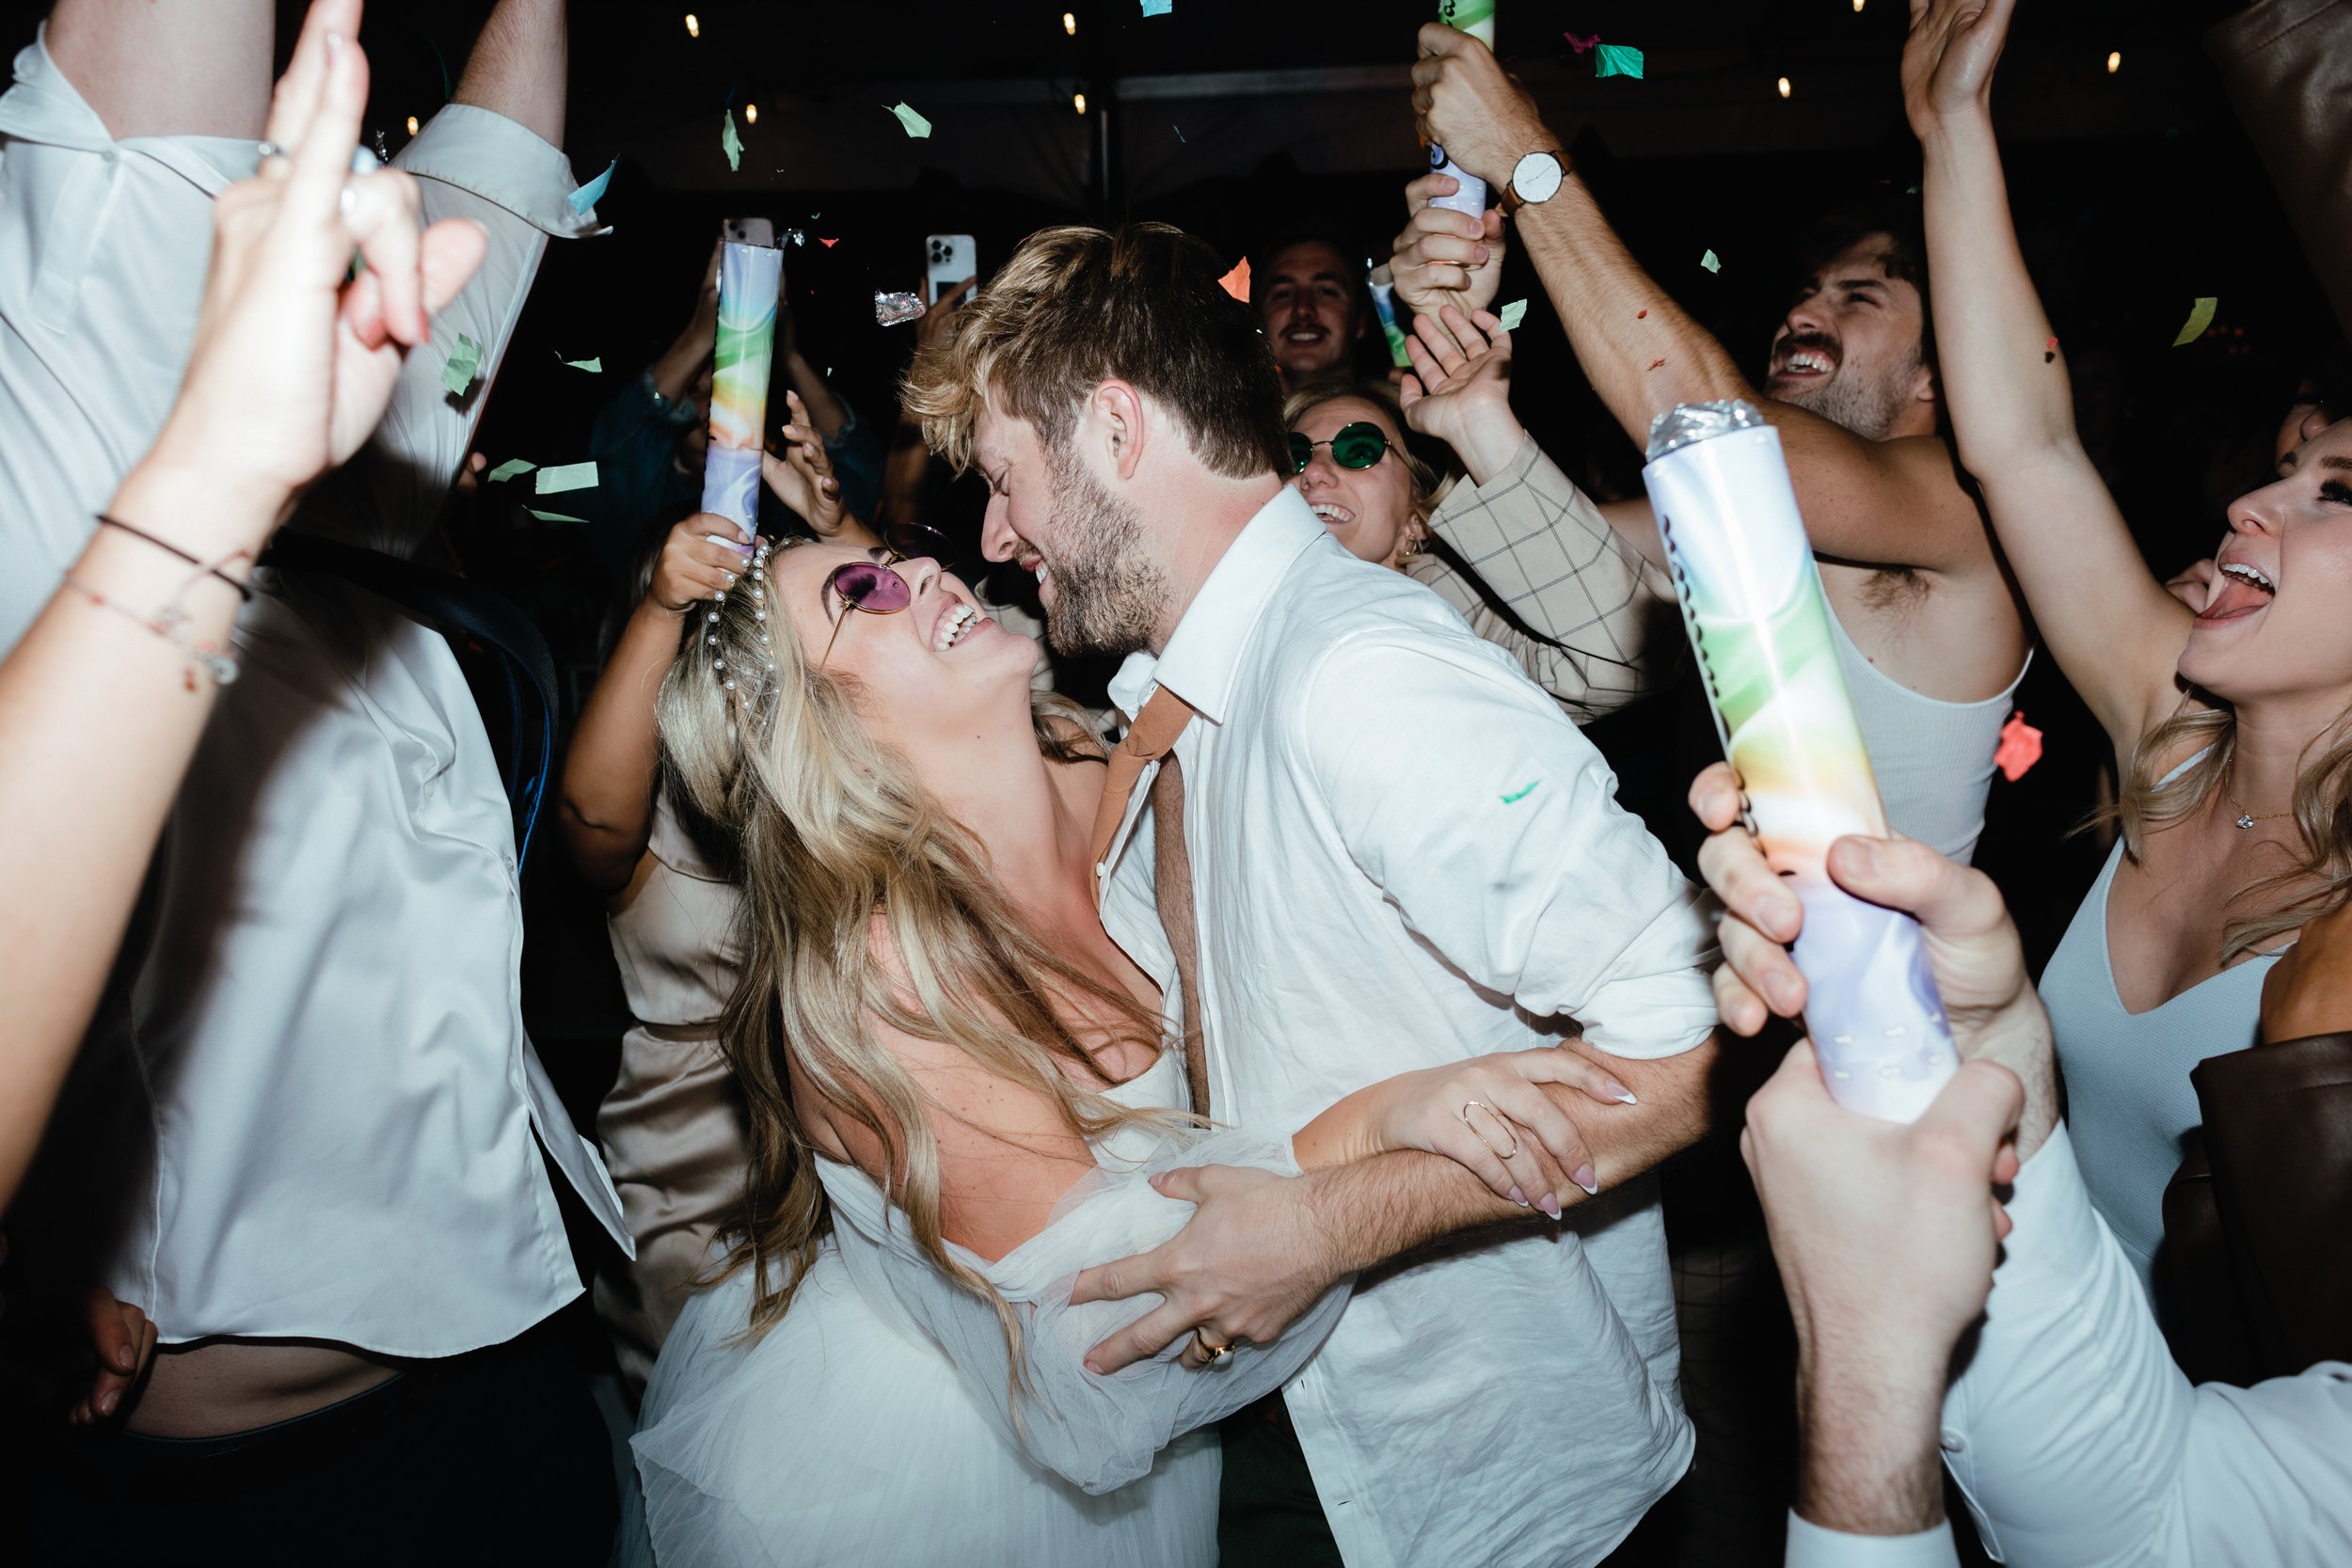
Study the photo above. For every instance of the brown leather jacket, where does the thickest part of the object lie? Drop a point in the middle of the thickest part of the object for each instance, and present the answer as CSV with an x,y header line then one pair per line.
x,y
2287,67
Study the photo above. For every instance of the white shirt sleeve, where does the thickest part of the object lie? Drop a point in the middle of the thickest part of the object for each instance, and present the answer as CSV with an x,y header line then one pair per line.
x,y
1486,817
1811,1546
2079,1443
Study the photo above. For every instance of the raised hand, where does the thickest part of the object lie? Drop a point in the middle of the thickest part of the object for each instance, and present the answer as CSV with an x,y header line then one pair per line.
x,y
1459,390
295,358
1442,257
1469,105
695,563
1949,56
802,476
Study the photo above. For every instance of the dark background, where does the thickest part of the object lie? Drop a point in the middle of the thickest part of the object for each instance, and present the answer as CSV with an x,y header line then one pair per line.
x,y
2135,190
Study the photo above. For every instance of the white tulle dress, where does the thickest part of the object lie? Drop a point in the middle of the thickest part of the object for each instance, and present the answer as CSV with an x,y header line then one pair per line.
x,y
873,1425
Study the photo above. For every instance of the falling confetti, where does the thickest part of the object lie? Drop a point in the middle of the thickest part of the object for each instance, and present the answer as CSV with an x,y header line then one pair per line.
x,y
509,468
828,244
2020,749
594,367
568,476
553,516
731,144
1158,7
2199,317
593,192
890,310
1179,134
1581,46
2049,350
1658,364
917,125
1517,795
1616,60
462,365
1710,264
1237,282
1511,314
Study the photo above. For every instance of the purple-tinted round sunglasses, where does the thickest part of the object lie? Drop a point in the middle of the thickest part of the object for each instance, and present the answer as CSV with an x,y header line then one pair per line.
x,y
873,586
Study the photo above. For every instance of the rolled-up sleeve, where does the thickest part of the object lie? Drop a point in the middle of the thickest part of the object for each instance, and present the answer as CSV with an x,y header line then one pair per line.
x,y
474,163
1493,826
2078,1442
1546,553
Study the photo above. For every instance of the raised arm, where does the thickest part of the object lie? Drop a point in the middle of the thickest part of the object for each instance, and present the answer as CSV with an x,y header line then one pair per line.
x,y
1886,503
171,67
2114,630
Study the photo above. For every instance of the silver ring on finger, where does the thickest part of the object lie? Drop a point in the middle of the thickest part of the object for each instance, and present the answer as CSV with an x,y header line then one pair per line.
x,y
1501,1120
266,151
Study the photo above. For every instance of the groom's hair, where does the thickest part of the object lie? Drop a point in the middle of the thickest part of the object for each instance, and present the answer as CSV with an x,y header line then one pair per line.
x,y
1075,307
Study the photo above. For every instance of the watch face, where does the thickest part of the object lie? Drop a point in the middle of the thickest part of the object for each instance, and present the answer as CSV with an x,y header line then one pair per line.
x,y
1536,177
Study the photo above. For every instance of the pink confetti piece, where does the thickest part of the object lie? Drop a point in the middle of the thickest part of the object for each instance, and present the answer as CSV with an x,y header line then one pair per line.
x,y
1581,46
2019,748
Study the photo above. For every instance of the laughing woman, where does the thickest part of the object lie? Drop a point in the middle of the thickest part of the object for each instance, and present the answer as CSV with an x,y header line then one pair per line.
x,y
2228,720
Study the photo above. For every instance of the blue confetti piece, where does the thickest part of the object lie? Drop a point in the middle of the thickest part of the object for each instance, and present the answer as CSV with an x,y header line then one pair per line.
x,y
1158,7
593,192
1516,795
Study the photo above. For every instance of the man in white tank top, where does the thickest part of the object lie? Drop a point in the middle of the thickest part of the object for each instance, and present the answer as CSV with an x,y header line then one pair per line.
x,y
1932,639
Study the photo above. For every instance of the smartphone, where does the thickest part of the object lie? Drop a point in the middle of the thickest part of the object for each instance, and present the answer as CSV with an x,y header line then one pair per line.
x,y
749,232
949,258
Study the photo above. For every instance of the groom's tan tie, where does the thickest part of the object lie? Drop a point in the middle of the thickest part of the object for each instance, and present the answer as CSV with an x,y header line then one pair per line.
x,y
1151,737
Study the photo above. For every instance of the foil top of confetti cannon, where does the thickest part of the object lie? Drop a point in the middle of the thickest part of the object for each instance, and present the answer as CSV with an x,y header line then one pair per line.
x,y
890,310
749,278
1752,602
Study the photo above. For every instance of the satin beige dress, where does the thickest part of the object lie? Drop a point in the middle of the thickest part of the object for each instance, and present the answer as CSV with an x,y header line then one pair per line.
x,y
672,1127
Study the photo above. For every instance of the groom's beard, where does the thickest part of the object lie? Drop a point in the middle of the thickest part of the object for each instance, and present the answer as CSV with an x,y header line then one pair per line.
x,y
1107,593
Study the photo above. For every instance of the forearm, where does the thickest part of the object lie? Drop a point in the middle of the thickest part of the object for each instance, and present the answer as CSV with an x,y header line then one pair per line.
x,y
2004,380
518,67
825,411
1869,1457
175,69
1641,352
98,718
682,363
611,771
905,468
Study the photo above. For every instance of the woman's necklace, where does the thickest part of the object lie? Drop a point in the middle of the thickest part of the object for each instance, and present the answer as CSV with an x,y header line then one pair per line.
x,y
2245,818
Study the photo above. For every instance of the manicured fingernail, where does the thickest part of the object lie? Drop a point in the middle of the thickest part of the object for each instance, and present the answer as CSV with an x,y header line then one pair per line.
x,y
1618,1091
1482,253
124,1360
1517,1197
1782,915
1582,1177
1095,1369
107,1401
1550,1205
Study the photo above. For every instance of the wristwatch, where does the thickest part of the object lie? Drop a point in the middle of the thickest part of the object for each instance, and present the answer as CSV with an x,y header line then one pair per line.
x,y
1535,178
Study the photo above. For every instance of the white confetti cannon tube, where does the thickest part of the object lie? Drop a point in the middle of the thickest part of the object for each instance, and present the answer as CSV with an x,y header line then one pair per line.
x,y
749,276
1753,605
1477,19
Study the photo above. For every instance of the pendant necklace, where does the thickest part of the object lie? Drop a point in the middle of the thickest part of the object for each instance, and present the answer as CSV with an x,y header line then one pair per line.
x,y
2245,818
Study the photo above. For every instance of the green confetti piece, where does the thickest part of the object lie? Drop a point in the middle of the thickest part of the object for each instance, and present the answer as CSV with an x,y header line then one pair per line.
x,y
568,476
729,142
1513,314
2199,317
553,516
1516,795
509,468
917,125
1710,264
461,365
1617,59
594,367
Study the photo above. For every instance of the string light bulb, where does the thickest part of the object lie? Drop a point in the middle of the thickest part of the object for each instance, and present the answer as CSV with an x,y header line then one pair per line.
x,y
694,26
750,113
1857,7
2115,61
1078,102
1784,86
1070,22
412,125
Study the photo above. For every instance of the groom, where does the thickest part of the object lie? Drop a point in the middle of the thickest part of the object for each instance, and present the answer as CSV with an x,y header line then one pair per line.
x,y
1376,847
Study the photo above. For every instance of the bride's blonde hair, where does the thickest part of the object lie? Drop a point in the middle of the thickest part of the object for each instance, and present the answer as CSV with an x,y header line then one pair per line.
x,y
862,900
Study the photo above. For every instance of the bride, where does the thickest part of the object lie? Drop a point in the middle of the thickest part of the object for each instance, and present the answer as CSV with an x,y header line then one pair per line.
x,y
959,1088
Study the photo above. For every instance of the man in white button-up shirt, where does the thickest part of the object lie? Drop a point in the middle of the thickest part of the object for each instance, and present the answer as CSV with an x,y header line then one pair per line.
x,y
306,1132
1400,853
2076,1441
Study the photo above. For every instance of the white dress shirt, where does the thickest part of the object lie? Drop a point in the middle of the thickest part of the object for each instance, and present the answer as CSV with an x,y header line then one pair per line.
x,y
2079,1443
1403,854
308,1108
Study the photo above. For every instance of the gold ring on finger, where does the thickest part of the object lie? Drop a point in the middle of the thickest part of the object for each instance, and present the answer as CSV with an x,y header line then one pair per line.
x,y
1211,1352
1501,1120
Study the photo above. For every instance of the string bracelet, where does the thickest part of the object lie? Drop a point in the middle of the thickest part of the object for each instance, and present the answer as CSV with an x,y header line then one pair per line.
x,y
213,569
170,622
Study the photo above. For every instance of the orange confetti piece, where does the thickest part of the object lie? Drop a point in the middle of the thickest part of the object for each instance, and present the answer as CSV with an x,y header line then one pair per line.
x,y
1237,282
2019,748
1656,363
1641,315
828,244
